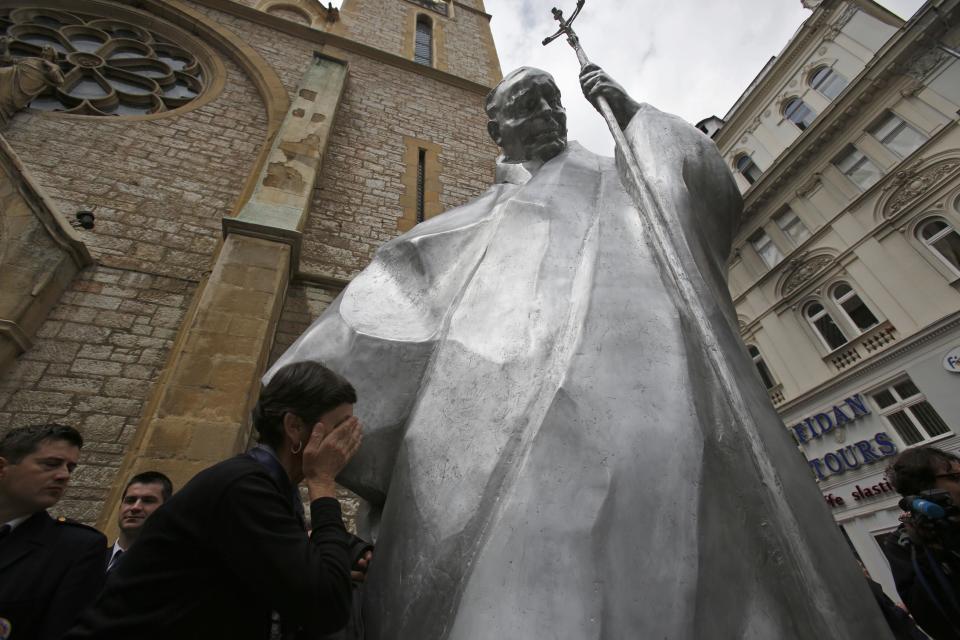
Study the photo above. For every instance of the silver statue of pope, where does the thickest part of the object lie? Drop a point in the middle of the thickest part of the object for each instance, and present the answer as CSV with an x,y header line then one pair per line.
x,y
546,453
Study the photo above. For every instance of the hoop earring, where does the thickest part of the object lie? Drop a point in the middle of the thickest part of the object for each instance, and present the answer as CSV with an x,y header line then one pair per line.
x,y
297,449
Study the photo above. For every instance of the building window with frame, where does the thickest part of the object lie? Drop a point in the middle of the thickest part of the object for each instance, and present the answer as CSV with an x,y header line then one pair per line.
x,y
897,136
792,226
423,45
942,240
824,326
828,82
762,367
855,164
797,112
763,245
747,168
853,307
909,413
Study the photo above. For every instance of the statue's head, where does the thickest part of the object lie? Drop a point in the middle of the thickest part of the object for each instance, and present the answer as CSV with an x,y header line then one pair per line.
x,y
527,120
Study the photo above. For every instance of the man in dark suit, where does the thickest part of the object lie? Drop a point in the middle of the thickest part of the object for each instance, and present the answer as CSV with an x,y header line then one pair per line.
x,y
51,569
142,496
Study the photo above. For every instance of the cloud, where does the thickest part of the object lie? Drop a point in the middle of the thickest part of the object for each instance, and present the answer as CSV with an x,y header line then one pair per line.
x,y
693,59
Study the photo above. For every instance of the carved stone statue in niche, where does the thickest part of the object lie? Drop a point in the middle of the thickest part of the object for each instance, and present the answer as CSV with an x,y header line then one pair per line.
x,y
23,79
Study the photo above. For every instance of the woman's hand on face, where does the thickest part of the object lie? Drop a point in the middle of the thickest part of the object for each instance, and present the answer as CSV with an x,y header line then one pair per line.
x,y
328,451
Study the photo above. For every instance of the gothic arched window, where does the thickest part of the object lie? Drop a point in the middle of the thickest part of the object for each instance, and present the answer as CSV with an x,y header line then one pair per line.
x,y
423,46
797,112
110,66
828,82
942,240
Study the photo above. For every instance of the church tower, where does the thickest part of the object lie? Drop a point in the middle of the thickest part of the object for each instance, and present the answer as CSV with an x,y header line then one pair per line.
x,y
195,185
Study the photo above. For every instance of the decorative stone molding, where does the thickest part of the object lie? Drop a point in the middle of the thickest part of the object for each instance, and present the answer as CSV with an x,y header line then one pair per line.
x,y
911,88
913,182
845,358
23,79
837,27
807,187
921,66
309,12
801,270
878,338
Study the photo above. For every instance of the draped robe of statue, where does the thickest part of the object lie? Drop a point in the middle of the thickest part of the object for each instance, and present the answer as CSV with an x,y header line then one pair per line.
x,y
552,453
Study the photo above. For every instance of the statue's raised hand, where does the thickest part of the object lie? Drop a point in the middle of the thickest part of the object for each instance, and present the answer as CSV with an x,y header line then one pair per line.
x,y
596,83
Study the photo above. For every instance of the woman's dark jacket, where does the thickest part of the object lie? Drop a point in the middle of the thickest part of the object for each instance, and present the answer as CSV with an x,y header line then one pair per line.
x,y
219,556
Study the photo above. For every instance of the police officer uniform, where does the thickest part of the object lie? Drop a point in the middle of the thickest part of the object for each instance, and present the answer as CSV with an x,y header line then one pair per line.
x,y
50,571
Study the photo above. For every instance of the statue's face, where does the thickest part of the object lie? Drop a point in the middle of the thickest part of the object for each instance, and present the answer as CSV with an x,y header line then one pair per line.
x,y
531,123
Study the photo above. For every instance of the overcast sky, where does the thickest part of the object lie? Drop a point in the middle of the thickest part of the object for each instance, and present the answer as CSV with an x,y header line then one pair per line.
x,y
689,57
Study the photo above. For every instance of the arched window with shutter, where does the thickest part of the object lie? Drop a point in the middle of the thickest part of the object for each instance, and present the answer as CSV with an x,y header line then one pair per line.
x,y
423,45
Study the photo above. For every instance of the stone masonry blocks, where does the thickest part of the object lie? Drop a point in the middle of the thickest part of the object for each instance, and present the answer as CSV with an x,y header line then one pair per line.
x,y
84,371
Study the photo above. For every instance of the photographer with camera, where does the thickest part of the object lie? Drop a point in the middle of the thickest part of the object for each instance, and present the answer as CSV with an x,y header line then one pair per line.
x,y
925,554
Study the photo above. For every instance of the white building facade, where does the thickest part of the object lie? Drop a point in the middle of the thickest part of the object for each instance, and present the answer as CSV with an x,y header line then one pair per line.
x,y
846,273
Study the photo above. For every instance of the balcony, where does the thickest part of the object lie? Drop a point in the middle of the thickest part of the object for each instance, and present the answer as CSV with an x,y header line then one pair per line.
x,y
776,395
863,346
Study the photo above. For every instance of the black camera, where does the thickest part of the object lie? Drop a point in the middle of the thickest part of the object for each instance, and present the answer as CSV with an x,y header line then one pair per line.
x,y
935,515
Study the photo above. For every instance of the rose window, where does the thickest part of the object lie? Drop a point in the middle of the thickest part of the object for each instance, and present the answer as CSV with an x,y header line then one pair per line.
x,y
110,67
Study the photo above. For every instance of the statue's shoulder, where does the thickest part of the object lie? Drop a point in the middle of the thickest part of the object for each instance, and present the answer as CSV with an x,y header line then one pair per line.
x,y
647,113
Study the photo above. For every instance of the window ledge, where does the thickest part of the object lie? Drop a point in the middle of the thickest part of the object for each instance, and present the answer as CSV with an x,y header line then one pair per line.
x,y
924,443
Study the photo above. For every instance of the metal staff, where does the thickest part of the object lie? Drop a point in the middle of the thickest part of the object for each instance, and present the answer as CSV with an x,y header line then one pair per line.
x,y
668,251
664,246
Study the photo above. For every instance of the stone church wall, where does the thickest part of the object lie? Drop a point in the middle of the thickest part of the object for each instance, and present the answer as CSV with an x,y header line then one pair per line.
x,y
91,367
159,189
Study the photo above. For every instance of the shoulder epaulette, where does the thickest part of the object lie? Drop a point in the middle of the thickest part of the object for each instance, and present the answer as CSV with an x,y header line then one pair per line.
x,y
76,523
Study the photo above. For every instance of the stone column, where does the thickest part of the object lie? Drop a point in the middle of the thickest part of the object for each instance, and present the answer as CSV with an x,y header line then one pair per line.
x,y
198,413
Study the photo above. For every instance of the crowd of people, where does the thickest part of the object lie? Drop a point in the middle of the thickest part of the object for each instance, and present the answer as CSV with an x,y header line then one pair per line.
x,y
229,556
232,556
